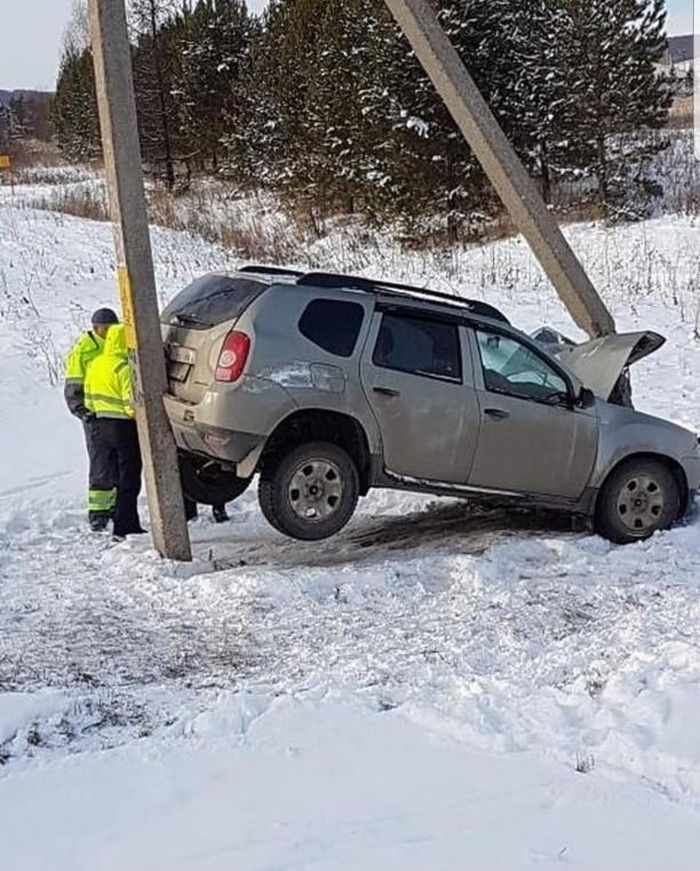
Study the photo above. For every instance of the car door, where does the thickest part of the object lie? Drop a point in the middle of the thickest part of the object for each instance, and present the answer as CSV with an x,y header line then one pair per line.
x,y
532,439
418,378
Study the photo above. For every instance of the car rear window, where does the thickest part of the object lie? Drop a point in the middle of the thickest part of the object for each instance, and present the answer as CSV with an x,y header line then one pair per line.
x,y
333,325
211,300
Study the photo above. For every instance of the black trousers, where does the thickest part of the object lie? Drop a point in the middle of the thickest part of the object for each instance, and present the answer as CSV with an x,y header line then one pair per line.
x,y
192,510
121,437
102,474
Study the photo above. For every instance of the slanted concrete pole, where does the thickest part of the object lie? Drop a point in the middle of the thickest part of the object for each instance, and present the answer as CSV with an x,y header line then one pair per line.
x,y
122,153
502,165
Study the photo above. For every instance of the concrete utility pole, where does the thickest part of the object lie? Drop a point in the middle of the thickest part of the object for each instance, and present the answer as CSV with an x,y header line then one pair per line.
x,y
122,153
502,165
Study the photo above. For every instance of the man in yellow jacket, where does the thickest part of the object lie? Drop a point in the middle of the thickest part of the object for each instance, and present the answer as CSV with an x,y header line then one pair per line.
x,y
109,397
102,493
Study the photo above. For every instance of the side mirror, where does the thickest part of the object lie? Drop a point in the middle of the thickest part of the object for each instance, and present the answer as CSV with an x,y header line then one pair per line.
x,y
586,398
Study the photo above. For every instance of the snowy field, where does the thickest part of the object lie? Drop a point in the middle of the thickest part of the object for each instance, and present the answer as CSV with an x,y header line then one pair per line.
x,y
437,688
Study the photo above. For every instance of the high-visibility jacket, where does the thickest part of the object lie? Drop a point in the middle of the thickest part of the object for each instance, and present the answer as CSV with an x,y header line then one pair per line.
x,y
108,384
88,347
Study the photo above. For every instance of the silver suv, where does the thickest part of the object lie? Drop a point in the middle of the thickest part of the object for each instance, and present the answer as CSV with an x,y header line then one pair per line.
x,y
328,385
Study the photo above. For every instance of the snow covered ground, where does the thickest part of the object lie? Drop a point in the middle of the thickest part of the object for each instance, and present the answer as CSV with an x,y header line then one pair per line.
x,y
437,688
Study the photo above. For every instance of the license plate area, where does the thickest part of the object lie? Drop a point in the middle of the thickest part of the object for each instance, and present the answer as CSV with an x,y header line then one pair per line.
x,y
180,362
178,371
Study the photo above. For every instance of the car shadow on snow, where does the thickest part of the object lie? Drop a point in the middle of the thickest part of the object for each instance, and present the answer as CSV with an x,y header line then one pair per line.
x,y
454,527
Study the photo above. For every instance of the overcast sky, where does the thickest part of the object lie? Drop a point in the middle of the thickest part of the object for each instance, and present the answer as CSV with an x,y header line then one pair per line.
x,y
31,31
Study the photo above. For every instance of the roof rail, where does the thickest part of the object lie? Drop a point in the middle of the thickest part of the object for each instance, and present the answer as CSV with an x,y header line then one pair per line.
x,y
261,269
355,282
333,279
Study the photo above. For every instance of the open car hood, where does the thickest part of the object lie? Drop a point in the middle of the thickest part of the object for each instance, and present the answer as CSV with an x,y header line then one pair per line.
x,y
600,363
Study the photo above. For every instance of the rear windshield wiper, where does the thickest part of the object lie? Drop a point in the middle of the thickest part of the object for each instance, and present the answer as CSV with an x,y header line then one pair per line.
x,y
190,321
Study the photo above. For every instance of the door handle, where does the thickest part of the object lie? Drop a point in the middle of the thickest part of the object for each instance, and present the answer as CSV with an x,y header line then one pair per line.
x,y
386,391
496,413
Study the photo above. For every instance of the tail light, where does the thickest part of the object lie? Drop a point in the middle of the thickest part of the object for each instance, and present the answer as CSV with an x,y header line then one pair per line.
x,y
233,357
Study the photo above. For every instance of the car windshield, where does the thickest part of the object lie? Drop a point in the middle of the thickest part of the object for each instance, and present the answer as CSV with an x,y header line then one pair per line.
x,y
211,300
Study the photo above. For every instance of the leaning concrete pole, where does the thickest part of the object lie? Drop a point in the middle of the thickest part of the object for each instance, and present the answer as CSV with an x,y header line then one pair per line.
x,y
122,153
502,165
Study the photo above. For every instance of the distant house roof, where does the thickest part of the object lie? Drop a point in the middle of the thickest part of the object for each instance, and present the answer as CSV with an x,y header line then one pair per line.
x,y
681,49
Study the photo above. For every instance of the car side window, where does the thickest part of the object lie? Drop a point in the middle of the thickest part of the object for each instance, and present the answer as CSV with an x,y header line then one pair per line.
x,y
333,325
513,368
419,347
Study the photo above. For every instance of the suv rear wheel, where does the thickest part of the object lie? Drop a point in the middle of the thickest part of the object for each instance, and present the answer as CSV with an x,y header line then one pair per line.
x,y
639,498
311,492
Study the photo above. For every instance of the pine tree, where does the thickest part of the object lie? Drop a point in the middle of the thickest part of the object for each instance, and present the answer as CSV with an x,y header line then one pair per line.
x,y
74,114
242,154
327,62
4,129
428,167
334,119
214,53
263,128
154,61
17,115
283,128
612,47
540,105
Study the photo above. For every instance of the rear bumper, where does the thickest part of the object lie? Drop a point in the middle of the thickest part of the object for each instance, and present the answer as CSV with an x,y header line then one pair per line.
x,y
229,421
197,437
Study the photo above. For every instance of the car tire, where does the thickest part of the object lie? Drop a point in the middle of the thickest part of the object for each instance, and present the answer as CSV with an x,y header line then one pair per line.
x,y
640,497
311,492
208,483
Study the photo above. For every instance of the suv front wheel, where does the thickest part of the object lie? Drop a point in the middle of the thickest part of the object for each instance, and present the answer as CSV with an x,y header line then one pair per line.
x,y
639,498
311,492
